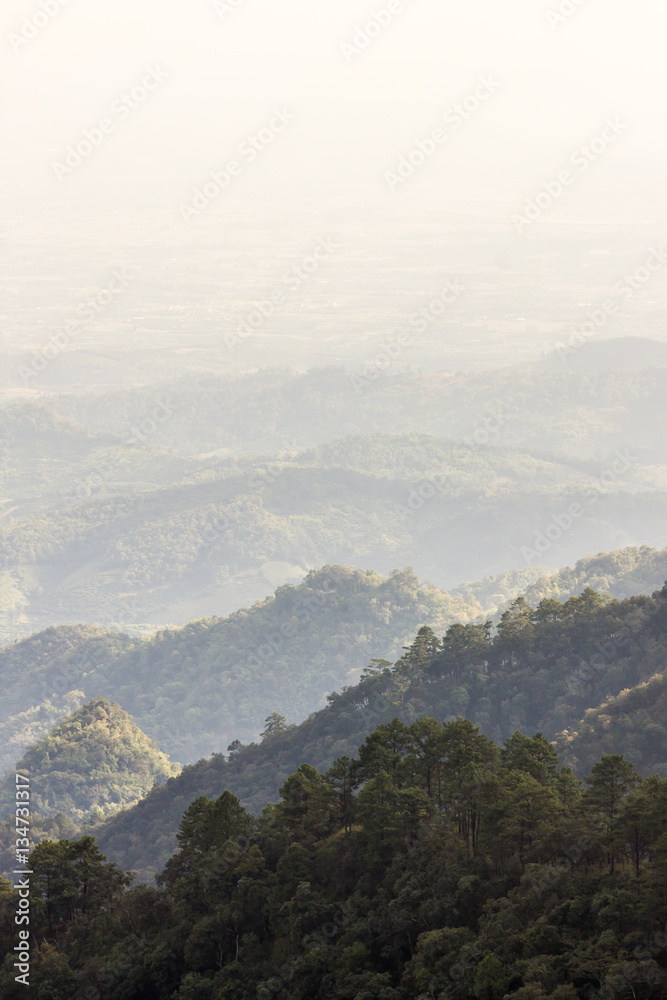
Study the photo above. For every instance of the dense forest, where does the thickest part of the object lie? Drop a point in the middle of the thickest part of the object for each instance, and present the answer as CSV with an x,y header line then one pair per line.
x,y
333,502
635,719
432,864
41,681
195,689
95,761
542,669
92,764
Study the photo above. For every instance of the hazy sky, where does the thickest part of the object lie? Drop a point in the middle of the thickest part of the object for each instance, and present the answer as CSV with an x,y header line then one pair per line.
x,y
319,108
353,117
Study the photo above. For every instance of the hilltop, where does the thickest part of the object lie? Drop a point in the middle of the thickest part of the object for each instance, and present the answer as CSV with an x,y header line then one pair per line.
x,y
97,760
196,689
221,498
41,679
583,414
232,531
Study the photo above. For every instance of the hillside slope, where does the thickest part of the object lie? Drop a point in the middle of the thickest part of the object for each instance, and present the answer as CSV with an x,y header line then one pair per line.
x,y
435,864
132,534
196,689
541,671
41,679
584,414
623,573
96,760
635,719
169,555
45,458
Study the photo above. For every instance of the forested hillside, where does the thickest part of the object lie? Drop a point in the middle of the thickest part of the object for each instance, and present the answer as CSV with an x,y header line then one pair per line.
x,y
45,458
38,450
623,573
541,670
94,762
196,689
229,534
434,863
41,680
89,765
587,414
635,719
333,501
156,505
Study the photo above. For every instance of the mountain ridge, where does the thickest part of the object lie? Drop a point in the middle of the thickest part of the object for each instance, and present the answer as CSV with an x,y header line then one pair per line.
x,y
542,670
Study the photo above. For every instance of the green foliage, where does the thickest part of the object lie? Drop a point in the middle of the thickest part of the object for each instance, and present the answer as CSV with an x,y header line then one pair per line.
x,y
635,719
397,901
212,510
274,723
491,980
70,878
96,760
540,672
196,689
42,678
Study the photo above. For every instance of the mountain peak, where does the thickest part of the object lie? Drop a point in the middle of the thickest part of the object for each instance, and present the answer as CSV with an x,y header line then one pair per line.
x,y
96,759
